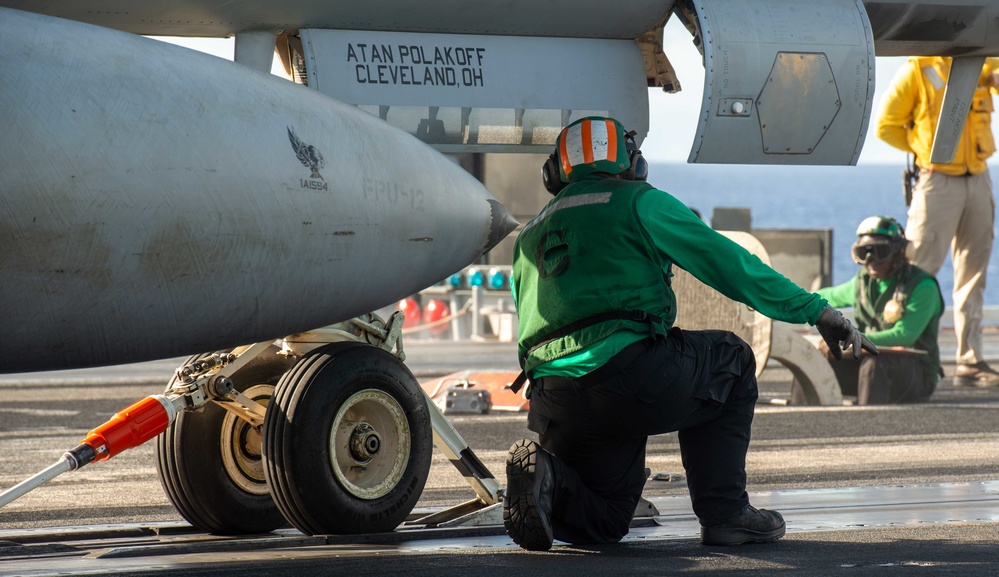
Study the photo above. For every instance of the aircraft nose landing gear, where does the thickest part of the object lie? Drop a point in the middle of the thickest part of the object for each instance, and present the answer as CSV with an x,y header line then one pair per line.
x,y
327,430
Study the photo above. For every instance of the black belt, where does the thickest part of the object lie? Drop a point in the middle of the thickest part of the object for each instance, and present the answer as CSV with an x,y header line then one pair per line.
x,y
601,373
965,173
637,316
634,316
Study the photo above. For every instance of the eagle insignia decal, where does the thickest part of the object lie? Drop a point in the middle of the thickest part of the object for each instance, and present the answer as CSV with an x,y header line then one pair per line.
x,y
307,154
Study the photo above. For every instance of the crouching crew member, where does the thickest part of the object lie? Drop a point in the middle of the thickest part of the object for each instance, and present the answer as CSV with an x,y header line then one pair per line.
x,y
898,306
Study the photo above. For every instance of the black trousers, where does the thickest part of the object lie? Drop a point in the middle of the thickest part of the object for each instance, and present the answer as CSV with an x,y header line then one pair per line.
x,y
699,383
888,378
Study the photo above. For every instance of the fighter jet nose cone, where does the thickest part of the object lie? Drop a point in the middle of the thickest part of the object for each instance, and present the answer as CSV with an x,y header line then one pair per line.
x,y
502,224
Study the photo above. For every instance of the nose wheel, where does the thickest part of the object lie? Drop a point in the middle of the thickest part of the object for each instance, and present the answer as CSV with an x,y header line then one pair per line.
x,y
347,441
209,461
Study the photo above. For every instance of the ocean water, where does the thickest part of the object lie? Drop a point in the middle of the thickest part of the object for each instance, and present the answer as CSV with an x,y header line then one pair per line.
x,y
836,197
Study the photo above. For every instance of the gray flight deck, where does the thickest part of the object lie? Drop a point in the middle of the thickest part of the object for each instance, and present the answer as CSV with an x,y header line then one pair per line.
x,y
893,490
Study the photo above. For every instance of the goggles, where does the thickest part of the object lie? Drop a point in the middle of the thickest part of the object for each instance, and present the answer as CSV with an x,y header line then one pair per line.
x,y
863,254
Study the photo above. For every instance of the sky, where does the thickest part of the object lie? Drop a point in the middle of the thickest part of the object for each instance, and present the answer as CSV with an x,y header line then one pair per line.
x,y
673,117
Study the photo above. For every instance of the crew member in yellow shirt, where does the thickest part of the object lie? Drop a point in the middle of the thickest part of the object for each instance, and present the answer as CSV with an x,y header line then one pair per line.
x,y
951,205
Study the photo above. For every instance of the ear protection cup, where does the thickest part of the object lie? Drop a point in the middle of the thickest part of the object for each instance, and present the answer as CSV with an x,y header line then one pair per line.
x,y
550,175
638,168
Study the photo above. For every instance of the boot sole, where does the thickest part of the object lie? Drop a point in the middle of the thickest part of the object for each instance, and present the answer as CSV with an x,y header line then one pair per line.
x,y
521,519
736,536
973,382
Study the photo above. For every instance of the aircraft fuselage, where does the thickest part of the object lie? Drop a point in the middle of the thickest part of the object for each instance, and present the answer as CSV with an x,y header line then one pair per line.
x,y
899,28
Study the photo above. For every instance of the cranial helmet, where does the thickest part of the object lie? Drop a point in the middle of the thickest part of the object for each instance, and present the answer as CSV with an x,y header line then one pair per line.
x,y
593,145
878,238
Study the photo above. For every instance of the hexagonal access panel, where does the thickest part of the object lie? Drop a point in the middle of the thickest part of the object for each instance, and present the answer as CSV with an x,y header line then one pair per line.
x,y
797,103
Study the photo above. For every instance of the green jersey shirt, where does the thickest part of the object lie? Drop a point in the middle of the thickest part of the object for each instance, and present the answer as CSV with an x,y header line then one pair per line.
x,y
677,237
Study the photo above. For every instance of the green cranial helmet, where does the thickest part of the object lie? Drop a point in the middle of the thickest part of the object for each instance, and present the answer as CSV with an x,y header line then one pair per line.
x,y
593,145
879,238
882,225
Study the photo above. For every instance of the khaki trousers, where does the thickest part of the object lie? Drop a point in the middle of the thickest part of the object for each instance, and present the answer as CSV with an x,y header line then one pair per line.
x,y
956,213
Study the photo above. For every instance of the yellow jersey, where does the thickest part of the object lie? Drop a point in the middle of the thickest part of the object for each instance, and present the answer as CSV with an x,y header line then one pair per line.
x,y
911,106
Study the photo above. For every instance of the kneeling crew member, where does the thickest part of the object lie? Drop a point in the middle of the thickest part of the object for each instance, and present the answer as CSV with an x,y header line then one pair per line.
x,y
592,276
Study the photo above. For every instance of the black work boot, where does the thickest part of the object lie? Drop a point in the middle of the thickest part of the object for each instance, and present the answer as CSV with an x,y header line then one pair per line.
x,y
530,493
752,525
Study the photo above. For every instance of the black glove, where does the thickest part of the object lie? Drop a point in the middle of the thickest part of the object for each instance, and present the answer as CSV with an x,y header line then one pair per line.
x,y
840,335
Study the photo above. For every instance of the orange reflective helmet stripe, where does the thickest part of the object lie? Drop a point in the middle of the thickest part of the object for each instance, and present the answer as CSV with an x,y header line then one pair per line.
x,y
586,136
611,140
563,154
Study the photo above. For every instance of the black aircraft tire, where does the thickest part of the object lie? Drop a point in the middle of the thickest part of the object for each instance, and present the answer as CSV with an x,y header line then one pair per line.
x,y
347,441
208,460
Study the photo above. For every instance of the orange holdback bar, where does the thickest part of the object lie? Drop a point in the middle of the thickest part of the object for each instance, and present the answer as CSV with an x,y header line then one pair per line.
x,y
129,428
